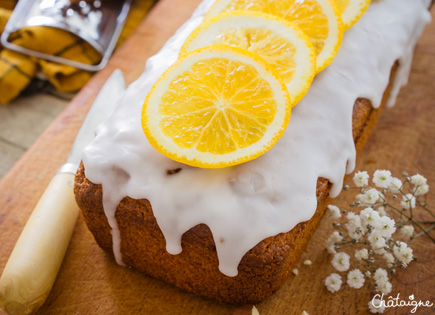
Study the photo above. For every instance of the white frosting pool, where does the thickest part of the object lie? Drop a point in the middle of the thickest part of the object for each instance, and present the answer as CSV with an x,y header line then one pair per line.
x,y
245,204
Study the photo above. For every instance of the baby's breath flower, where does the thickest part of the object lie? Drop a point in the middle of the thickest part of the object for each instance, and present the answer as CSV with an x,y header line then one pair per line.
x,y
384,288
386,227
389,258
331,249
380,276
362,254
402,252
376,240
418,180
333,239
334,211
421,190
381,210
368,197
382,178
369,216
341,261
333,282
355,233
361,179
355,279
395,185
407,231
380,251
376,306
408,201
404,255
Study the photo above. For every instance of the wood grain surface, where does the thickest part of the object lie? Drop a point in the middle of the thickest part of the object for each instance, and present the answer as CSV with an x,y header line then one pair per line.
x,y
89,282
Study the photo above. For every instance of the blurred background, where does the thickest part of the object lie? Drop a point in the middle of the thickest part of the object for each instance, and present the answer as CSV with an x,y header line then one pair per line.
x,y
34,91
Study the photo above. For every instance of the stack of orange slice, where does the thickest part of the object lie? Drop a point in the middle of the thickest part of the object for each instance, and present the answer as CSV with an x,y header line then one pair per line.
x,y
228,98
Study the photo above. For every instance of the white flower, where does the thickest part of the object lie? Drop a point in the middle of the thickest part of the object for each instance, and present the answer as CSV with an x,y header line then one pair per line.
x,y
379,251
341,261
355,279
333,282
395,185
353,219
380,276
331,249
389,258
376,240
421,189
369,197
369,216
334,211
362,254
386,227
385,288
353,226
332,240
403,253
407,231
418,180
382,178
408,201
376,306
381,210
361,179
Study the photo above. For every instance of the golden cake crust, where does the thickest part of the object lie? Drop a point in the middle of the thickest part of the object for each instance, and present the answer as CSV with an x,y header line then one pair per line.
x,y
262,270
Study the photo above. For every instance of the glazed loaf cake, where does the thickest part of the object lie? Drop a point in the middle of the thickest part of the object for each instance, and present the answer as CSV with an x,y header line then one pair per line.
x,y
262,270
194,251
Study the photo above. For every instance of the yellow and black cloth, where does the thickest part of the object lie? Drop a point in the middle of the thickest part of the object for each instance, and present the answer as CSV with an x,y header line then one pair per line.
x,y
17,70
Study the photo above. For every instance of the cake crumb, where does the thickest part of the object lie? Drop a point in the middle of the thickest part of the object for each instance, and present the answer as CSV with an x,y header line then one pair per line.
x,y
295,271
307,262
173,171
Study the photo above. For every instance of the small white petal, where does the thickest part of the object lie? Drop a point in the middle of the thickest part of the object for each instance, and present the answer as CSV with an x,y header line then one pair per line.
x,y
361,179
355,279
334,211
395,185
376,306
382,178
333,282
407,231
340,261
418,180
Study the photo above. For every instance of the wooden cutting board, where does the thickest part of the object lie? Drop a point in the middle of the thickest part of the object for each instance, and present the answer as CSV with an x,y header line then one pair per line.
x,y
89,282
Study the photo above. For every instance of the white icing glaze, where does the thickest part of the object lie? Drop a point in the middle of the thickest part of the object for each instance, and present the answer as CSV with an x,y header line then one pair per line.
x,y
245,204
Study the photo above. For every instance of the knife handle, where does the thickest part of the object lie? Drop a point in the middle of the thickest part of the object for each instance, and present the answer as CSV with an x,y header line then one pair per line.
x,y
35,261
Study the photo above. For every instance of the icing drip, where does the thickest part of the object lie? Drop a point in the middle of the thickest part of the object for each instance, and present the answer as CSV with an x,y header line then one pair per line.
x,y
245,204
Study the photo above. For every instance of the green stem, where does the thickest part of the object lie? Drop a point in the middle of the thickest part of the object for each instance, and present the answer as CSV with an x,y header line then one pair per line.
x,y
428,229
426,209
414,222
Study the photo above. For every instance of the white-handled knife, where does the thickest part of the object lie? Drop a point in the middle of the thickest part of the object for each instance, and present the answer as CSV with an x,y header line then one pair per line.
x,y
37,256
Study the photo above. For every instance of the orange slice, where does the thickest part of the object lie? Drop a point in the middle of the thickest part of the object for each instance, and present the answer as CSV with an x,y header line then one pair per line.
x,y
216,107
279,42
319,19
